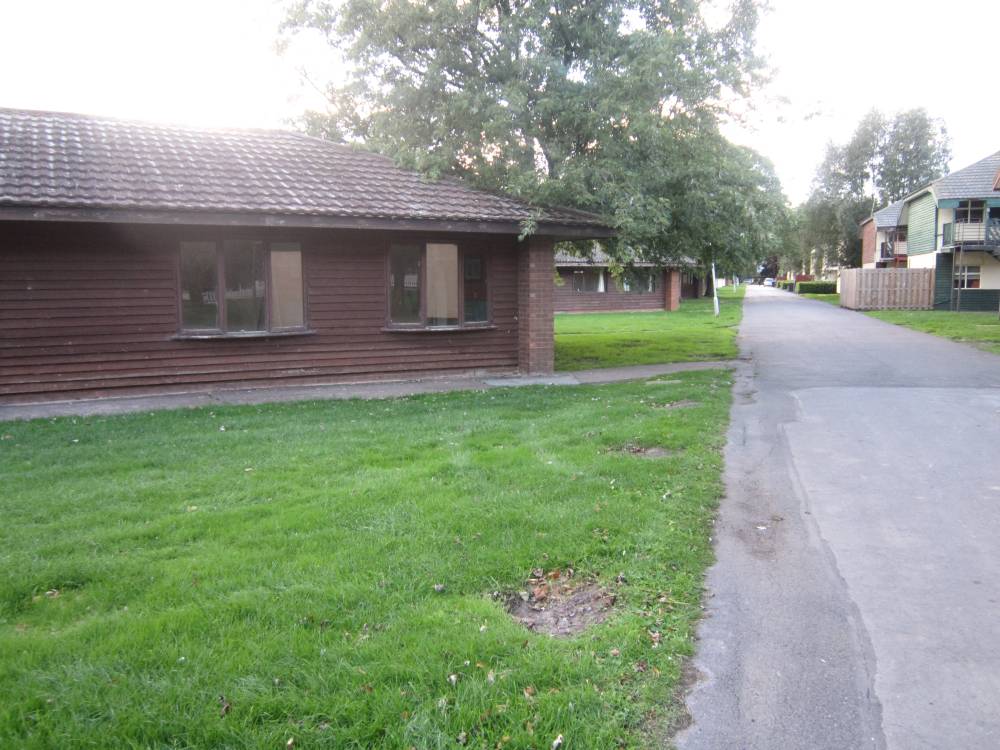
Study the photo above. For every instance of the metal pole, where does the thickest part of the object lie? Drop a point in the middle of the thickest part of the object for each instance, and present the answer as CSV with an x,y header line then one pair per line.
x,y
715,292
958,293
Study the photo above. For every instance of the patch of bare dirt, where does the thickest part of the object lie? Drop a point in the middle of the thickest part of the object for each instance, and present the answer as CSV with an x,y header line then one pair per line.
x,y
554,603
654,451
685,404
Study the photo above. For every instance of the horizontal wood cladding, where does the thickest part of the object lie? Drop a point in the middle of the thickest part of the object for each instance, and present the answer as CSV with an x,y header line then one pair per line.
x,y
614,298
89,310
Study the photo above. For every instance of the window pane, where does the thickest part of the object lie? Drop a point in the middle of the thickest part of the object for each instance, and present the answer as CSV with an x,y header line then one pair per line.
x,y
442,285
243,263
199,285
286,285
474,293
588,281
404,284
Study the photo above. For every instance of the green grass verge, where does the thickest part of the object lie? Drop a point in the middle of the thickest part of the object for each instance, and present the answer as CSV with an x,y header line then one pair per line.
x,y
981,329
690,334
833,299
286,557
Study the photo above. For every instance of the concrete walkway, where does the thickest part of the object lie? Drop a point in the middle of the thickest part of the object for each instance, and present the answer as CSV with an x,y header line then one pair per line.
x,y
855,602
380,389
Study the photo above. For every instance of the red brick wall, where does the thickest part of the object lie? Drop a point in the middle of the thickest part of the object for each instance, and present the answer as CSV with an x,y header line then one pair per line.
x,y
536,347
868,243
672,289
614,298
92,309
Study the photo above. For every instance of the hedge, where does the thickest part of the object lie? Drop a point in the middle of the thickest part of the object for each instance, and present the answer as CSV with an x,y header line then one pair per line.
x,y
787,285
817,287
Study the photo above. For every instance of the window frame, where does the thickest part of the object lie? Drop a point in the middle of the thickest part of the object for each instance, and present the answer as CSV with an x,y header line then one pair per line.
x,y
463,250
647,277
966,207
220,332
600,284
964,275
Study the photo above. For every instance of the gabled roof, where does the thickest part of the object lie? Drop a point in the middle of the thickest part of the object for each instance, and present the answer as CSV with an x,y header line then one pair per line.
x,y
57,165
978,180
888,216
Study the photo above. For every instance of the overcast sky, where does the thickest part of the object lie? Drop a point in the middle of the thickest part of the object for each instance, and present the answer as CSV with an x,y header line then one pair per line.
x,y
213,62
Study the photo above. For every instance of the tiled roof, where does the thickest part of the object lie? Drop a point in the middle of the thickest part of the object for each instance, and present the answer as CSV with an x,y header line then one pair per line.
x,y
71,161
597,258
889,216
975,181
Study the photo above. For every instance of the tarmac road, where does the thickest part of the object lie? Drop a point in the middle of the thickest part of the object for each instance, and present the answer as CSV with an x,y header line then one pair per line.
x,y
855,601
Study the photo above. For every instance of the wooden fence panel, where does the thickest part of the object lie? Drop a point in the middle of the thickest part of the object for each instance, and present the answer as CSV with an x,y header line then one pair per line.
x,y
887,288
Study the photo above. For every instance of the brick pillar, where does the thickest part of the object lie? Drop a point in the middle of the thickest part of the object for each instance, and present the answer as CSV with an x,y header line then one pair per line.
x,y
535,328
671,289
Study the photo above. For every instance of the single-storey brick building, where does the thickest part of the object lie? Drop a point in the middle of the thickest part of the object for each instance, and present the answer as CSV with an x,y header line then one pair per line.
x,y
139,258
586,284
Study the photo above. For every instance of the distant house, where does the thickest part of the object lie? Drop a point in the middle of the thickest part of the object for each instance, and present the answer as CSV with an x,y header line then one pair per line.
x,y
586,284
953,226
139,258
883,238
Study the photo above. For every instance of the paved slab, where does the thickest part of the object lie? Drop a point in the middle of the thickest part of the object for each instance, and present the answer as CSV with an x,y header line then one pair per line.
x,y
378,389
855,602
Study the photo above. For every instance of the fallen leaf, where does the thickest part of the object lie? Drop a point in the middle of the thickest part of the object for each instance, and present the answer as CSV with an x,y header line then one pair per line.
x,y
462,738
557,742
453,679
529,691
615,652
439,587
290,744
225,705
491,677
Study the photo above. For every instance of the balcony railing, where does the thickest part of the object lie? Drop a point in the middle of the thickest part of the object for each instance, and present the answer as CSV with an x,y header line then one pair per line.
x,y
972,233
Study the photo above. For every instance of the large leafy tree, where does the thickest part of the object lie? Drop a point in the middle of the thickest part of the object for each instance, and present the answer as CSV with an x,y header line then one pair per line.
x,y
606,105
885,160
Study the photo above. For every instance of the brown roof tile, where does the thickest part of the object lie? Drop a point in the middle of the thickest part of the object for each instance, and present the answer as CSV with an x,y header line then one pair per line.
x,y
59,160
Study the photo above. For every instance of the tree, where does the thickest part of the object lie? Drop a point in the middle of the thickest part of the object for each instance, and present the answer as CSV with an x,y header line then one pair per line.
x,y
884,160
604,105
917,151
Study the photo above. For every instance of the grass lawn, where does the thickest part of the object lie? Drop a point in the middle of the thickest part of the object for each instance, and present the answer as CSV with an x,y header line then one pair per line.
x,y
981,329
833,299
287,556
693,333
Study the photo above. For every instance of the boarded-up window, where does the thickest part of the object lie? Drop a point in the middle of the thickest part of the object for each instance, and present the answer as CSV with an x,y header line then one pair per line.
x,y
442,285
287,310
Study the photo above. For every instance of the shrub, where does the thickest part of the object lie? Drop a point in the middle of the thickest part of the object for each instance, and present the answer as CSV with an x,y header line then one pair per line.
x,y
786,285
817,287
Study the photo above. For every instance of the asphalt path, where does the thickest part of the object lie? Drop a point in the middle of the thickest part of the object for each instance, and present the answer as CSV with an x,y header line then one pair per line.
x,y
855,601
